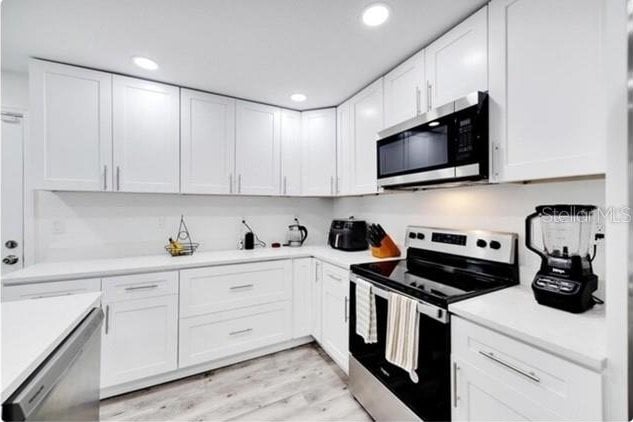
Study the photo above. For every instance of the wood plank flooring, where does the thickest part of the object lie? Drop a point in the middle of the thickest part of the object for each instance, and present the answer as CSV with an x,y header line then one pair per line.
x,y
300,384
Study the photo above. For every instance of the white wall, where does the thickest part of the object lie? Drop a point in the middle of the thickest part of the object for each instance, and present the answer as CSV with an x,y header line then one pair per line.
x,y
490,207
81,225
14,91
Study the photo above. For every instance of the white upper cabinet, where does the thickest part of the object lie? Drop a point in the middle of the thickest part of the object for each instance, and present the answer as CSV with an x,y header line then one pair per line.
x,y
207,130
146,136
457,63
258,148
344,158
319,152
71,129
404,86
290,153
546,96
366,117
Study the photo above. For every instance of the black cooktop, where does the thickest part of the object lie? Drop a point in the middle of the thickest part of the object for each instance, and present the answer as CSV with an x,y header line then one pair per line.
x,y
433,282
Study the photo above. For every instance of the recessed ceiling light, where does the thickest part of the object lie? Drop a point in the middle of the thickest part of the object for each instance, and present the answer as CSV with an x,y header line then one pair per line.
x,y
433,124
375,14
298,98
145,63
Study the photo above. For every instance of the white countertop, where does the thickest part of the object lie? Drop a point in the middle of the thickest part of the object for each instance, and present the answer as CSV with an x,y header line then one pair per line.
x,y
53,271
32,329
580,338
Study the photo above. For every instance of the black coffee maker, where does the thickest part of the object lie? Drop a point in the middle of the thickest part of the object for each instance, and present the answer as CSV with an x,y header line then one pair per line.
x,y
566,280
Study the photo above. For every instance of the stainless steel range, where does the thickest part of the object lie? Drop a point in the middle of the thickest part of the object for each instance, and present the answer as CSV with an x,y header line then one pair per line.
x,y
442,266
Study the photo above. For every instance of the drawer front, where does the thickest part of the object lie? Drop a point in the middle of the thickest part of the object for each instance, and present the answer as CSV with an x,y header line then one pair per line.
x,y
335,274
50,289
214,336
213,289
560,386
140,286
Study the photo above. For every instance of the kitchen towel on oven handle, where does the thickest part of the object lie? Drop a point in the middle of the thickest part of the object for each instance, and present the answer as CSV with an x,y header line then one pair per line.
x,y
366,325
403,322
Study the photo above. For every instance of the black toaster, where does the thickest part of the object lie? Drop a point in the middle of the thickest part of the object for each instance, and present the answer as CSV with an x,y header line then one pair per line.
x,y
348,235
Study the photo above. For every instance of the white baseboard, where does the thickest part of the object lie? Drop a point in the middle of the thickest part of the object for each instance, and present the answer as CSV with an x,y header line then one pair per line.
x,y
197,369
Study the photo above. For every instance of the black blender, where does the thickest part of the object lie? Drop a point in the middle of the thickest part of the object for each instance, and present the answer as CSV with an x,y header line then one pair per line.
x,y
565,280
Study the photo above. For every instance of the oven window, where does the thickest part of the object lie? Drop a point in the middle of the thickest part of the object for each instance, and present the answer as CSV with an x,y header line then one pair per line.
x,y
413,150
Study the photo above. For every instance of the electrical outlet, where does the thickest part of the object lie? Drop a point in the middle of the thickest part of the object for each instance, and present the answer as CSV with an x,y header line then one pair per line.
x,y
59,227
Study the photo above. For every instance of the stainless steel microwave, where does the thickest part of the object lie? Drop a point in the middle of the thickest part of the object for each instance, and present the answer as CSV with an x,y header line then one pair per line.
x,y
446,144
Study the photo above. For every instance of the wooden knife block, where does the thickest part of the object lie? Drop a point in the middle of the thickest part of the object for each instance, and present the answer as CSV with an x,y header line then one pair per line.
x,y
387,249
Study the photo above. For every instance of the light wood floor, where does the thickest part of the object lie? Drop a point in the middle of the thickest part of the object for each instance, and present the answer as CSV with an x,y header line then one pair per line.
x,y
299,384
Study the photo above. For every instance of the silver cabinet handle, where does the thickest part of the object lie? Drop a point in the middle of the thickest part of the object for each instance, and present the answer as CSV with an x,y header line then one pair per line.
x,y
335,277
230,183
234,333
491,356
56,294
418,101
338,185
346,313
239,183
429,96
331,185
107,319
243,286
105,177
455,369
316,271
118,178
145,287
285,185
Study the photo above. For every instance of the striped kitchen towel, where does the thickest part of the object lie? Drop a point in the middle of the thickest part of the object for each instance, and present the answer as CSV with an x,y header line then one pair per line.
x,y
403,326
366,312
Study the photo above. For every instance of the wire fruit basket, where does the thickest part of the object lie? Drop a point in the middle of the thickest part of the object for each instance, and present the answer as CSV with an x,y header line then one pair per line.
x,y
183,245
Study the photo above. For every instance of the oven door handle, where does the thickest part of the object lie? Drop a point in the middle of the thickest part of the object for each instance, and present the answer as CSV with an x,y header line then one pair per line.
x,y
424,308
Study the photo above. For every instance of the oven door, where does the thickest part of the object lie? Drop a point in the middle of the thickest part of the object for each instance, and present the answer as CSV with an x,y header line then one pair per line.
x,y
429,398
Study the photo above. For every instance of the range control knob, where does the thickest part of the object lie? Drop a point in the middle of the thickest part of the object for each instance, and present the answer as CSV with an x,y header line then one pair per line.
x,y
421,236
495,245
481,243
411,235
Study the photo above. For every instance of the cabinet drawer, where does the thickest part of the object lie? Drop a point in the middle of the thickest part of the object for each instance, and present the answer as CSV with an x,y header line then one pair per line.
x,y
206,290
140,286
50,289
557,385
208,337
335,274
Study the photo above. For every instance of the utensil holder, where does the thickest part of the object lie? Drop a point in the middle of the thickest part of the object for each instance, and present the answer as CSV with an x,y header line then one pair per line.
x,y
387,249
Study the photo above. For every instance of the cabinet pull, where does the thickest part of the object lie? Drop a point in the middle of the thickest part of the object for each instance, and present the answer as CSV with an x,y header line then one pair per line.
x,y
107,319
285,185
230,183
145,287
316,271
335,277
455,398
338,185
331,185
418,101
56,294
239,183
346,313
243,286
234,333
519,371
118,178
105,177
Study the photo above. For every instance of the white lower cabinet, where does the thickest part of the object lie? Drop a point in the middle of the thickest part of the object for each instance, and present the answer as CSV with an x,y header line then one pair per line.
x,y
335,314
498,378
140,331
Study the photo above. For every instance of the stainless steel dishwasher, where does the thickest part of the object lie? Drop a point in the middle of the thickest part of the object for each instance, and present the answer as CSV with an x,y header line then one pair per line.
x,y
65,387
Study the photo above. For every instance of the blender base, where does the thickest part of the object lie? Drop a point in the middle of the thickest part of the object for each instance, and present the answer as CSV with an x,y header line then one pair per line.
x,y
565,294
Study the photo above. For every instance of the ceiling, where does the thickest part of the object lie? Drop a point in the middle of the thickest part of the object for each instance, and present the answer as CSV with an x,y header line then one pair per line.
x,y
263,50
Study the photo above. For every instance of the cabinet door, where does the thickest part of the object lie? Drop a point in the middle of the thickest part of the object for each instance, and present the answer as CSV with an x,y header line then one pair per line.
x,y
258,150
457,63
207,128
479,397
146,136
316,293
403,91
140,339
290,153
335,337
71,130
318,129
344,156
366,112
546,95
302,280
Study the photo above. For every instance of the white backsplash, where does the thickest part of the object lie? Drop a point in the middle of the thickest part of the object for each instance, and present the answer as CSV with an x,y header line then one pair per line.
x,y
490,207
